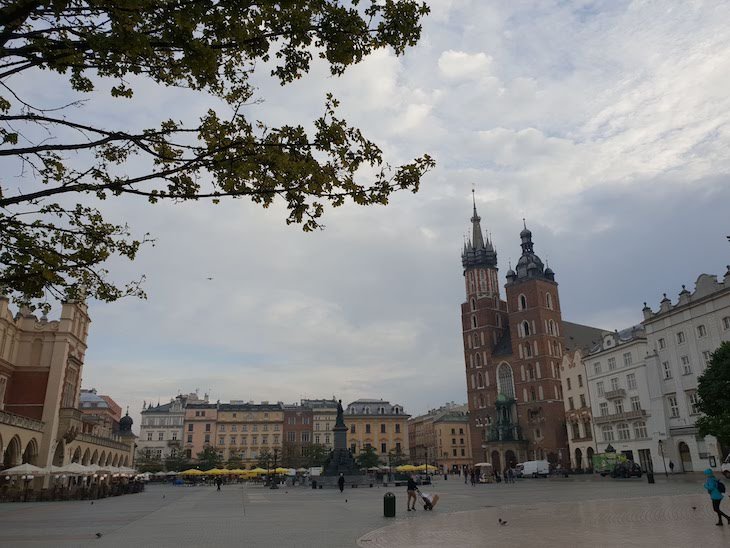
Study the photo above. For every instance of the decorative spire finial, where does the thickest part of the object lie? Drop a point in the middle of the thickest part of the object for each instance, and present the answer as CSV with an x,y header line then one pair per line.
x,y
524,224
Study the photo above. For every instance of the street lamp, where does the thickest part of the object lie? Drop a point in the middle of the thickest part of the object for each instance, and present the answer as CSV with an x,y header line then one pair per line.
x,y
274,483
661,450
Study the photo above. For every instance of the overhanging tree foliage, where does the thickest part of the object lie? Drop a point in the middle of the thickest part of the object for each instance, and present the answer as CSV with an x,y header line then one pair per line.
x,y
367,458
53,240
713,388
209,458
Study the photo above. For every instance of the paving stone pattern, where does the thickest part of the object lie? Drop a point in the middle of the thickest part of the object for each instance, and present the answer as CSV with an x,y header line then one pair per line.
x,y
580,511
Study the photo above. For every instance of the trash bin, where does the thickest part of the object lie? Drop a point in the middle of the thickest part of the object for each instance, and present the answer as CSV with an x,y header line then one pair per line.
x,y
650,477
314,484
389,505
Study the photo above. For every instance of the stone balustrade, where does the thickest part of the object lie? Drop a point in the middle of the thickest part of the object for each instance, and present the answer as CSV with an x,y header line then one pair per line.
x,y
12,419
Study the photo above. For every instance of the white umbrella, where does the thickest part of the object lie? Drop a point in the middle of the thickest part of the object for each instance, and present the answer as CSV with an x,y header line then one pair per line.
x,y
160,474
25,470
171,473
72,469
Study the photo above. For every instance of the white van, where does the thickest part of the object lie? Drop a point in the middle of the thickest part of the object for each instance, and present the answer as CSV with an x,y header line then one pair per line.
x,y
535,468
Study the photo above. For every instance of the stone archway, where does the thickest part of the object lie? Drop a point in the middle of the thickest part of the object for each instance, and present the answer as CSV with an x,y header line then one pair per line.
x,y
496,461
30,455
115,462
87,457
685,457
95,457
58,454
77,455
12,454
589,458
102,459
578,459
510,460
108,459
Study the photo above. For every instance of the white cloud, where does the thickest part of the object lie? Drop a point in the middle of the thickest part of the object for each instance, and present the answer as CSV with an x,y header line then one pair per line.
x,y
459,65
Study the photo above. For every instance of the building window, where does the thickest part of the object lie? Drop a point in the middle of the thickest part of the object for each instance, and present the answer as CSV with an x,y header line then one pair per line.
x,y
580,381
607,432
523,302
623,431
667,370
382,429
614,383
454,450
635,403
673,407
233,440
397,447
207,427
160,436
662,344
234,427
190,438
221,428
352,429
291,436
599,388
611,364
149,436
597,368
174,436
701,331
640,430
570,404
603,407
305,437
480,380
367,428
474,321
686,366
619,406
694,402
382,448
706,357
582,400
221,440
254,440
462,453
726,323
627,359
473,305
568,382
397,428
680,337
526,329
631,381
504,380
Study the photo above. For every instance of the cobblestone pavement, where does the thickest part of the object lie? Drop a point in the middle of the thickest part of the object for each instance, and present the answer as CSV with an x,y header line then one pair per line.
x,y
580,511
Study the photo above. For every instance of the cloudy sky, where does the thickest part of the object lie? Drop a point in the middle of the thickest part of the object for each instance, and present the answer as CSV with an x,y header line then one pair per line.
x,y
605,124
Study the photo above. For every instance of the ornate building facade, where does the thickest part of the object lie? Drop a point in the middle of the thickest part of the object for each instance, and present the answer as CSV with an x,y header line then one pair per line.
x,y
41,418
512,353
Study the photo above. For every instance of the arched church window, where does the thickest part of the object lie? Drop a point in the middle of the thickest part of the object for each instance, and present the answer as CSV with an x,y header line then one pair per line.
x,y
473,321
522,302
480,380
478,360
533,396
526,328
549,300
473,305
505,381
476,340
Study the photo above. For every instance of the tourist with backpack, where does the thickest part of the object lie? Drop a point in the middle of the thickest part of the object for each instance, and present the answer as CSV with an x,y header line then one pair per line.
x,y
716,489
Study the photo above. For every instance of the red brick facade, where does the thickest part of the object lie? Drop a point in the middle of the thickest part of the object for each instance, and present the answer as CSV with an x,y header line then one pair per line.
x,y
512,353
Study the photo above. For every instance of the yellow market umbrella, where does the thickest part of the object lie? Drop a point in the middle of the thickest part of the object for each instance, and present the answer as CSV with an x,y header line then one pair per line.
x,y
281,471
258,471
238,472
192,472
405,468
420,468
217,472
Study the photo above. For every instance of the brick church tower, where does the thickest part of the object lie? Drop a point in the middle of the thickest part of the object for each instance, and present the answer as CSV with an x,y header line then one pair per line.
x,y
512,352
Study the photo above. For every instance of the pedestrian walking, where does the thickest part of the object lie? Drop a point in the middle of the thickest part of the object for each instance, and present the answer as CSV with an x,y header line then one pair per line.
x,y
411,488
218,482
671,467
716,489
341,482
510,475
466,476
472,478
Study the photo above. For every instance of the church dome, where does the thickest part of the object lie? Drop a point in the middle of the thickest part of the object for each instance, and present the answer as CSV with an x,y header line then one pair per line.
x,y
125,423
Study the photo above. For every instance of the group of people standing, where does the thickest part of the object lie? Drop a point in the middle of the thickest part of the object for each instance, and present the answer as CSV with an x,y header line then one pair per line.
x,y
475,476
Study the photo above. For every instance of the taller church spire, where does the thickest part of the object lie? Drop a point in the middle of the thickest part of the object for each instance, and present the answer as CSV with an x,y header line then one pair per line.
x,y
478,251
